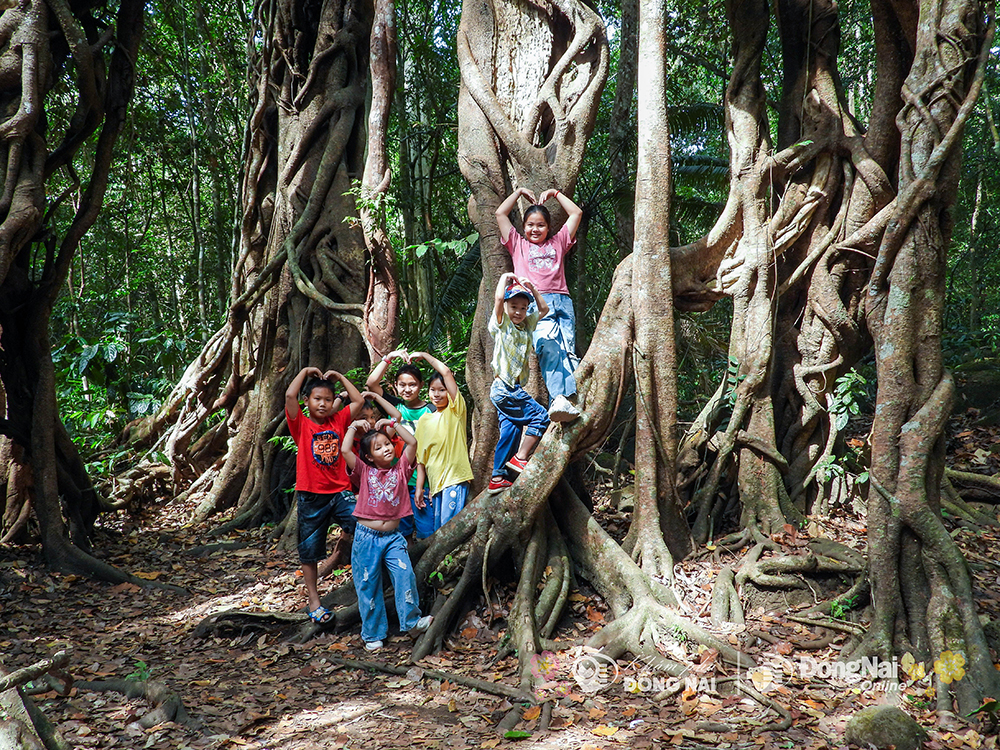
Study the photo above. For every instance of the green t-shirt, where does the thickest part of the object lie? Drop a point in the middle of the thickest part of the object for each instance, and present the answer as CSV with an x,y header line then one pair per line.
x,y
409,419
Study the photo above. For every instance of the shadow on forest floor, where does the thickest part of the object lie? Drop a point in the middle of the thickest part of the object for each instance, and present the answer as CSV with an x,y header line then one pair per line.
x,y
256,692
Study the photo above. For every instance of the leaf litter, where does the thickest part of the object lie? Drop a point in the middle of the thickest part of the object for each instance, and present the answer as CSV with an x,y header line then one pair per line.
x,y
257,691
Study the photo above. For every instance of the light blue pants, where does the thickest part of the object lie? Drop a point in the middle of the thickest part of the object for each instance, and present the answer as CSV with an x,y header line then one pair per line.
x,y
555,345
371,549
448,502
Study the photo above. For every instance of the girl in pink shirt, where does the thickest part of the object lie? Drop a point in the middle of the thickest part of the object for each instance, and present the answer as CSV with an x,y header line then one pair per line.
x,y
383,499
540,258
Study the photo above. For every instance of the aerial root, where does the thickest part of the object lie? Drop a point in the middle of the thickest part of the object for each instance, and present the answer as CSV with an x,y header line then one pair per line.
x,y
433,637
726,604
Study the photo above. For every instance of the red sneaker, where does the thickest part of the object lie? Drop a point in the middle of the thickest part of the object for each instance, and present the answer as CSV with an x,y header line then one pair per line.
x,y
516,464
499,483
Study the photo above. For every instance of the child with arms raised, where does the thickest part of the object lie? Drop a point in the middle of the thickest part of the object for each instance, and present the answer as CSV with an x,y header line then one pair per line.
x,y
511,326
383,499
539,257
408,382
442,446
323,490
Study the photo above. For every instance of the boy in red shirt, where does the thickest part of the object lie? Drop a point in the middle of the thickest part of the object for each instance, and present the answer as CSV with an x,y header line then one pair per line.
x,y
323,490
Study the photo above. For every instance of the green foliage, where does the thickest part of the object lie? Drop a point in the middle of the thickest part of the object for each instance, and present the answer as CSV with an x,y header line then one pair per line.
x,y
284,443
842,606
851,395
141,673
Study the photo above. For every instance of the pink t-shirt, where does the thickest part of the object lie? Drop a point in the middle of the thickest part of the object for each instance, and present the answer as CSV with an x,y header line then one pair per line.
x,y
383,494
541,264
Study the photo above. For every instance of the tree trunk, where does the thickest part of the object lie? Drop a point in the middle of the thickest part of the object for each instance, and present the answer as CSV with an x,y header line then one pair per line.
x,y
41,41
526,109
299,282
921,586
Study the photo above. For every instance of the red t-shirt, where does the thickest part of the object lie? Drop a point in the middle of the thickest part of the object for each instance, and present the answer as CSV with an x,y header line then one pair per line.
x,y
542,264
319,467
383,494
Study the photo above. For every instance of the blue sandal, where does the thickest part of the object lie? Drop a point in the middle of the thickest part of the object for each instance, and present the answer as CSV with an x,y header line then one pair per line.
x,y
321,615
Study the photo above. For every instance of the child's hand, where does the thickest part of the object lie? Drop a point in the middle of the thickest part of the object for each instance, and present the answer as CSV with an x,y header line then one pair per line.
x,y
417,355
368,395
418,500
526,283
383,424
529,195
313,372
330,375
550,193
359,425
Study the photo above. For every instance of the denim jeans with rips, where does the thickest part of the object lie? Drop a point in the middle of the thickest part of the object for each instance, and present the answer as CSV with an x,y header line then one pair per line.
x,y
371,549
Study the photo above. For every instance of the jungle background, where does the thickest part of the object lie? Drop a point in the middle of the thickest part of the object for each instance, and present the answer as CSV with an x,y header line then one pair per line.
x,y
151,283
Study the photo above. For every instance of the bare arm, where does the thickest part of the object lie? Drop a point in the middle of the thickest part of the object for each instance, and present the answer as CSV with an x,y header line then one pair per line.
x,y
441,367
543,309
404,434
347,449
574,214
504,209
374,382
418,494
295,388
498,297
388,408
353,393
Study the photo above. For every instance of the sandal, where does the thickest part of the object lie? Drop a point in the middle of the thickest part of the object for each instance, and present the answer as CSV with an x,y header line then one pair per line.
x,y
321,615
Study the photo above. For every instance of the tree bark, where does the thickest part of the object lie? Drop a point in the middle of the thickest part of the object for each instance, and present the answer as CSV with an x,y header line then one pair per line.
x,y
525,112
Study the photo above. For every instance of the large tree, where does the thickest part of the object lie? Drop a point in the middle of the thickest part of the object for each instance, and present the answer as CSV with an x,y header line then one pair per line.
x,y
53,186
299,283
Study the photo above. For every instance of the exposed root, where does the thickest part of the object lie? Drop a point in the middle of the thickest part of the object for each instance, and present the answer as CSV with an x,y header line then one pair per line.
x,y
493,688
643,625
974,486
167,705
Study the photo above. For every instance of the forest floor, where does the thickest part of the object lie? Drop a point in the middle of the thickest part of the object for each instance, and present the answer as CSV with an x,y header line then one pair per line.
x,y
254,690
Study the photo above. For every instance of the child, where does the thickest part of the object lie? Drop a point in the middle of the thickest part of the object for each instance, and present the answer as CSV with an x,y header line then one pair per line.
x,y
409,381
511,326
323,490
540,258
441,443
382,500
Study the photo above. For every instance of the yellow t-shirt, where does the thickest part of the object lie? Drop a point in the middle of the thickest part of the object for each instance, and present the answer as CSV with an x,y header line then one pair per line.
x,y
442,446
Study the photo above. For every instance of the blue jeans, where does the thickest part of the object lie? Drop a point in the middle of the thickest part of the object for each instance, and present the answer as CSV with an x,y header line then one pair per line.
x,y
315,512
371,549
422,519
516,410
555,345
448,502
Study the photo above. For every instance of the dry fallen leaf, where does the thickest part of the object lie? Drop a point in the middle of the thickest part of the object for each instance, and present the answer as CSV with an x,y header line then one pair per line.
x,y
604,730
531,713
